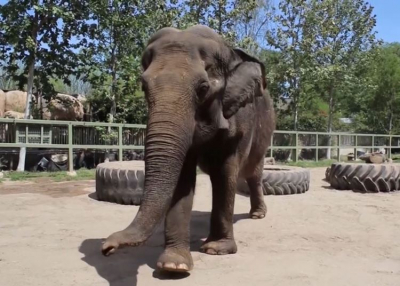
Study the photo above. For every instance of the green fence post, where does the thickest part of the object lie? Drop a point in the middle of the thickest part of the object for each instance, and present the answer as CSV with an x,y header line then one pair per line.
x,y
338,149
120,143
355,147
41,134
317,147
373,143
390,147
70,149
272,145
297,146
16,133
26,134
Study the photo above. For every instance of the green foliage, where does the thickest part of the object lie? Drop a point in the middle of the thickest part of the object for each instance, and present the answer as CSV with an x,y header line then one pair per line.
x,y
117,38
344,36
324,50
292,38
224,16
40,33
322,57
375,109
312,164
107,135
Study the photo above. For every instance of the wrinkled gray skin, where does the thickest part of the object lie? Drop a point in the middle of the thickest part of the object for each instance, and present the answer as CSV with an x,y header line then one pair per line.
x,y
208,106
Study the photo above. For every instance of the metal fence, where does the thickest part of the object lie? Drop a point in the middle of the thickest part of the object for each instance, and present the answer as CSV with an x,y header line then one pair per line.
x,y
341,144
70,135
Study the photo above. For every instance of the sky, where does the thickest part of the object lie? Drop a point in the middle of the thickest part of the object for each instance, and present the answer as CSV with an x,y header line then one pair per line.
x,y
387,15
387,19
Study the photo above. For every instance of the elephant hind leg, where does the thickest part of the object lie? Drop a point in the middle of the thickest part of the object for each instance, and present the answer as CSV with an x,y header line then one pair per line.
x,y
258,207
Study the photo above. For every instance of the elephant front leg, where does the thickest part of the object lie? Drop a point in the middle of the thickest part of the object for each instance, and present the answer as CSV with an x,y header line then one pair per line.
x,y
224,183
176,256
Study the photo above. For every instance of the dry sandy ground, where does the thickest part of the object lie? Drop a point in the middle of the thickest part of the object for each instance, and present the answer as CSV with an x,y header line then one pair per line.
x,y
323,237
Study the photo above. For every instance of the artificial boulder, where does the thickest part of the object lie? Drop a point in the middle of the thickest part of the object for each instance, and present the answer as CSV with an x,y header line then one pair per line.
x,y
15,115
374,158
15,100
269,161
63,107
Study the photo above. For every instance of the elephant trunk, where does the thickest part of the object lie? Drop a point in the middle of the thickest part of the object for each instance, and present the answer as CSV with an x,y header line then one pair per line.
x,y
166,146
170,130
167,143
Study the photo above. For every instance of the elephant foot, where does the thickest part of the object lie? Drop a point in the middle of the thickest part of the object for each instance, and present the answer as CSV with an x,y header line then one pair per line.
x,y
258,210
219,247
175,260
258,213
120,239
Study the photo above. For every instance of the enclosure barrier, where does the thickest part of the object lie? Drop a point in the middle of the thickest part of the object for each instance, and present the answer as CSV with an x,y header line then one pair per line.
x,y
70,135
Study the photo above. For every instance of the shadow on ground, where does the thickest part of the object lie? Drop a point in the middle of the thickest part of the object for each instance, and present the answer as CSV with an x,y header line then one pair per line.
x,y
121,268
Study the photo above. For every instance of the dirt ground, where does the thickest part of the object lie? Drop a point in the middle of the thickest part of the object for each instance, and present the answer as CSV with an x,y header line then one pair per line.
x,y
51,233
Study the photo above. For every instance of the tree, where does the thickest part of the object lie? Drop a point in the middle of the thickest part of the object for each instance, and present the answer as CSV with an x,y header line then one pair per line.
x,y
38,34
252,24
343,32
292,37
373,108
387,80
120,29
225,17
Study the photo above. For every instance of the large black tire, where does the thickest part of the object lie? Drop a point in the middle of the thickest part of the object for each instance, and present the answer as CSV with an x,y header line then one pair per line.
x,y
120,182
285,180
281,180
327,173
365,178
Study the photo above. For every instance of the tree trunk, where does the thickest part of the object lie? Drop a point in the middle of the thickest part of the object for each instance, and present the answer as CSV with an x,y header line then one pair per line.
x,y
391,114
113,109
296,115
220,17
330,119
295,125
22,152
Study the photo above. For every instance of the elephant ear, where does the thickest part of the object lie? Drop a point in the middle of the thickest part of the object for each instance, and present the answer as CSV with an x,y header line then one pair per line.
x,y
245,81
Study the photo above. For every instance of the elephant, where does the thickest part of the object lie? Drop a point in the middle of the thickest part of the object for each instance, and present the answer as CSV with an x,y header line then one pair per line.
x,y
208,106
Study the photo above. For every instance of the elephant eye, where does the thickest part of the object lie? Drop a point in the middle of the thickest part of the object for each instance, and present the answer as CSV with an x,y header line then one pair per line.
x,y
203,89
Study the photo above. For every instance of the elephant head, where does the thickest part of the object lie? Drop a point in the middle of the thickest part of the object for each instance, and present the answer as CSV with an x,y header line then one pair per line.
x,y
193,83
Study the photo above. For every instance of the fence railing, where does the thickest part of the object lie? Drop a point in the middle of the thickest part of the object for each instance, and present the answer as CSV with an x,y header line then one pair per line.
x,y
335,141
16,133
70,135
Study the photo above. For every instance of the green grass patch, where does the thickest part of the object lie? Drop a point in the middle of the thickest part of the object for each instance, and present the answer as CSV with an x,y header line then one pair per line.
x,y
396,157
82,174
323,163
311,164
